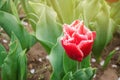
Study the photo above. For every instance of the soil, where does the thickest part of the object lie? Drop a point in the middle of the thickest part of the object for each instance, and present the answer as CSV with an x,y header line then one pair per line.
x,y
39,67
38,62
112,71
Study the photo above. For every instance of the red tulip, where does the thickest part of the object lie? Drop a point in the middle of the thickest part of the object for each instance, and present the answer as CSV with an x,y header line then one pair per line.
x,y
77,40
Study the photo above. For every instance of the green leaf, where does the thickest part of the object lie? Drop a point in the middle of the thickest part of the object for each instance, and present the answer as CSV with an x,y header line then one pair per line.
x,y
108,58
78,10
9,67
14,10
32,17
74,64
115,12
90,10
2,2
56,59
16,2
47,29
14,39
64,9
68,76
69,64
84,74
104,29
22,66
14,66
85,62
5,5
9,23
3,54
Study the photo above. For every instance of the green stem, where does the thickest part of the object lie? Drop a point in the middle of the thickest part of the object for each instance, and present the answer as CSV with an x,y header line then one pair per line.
x,y
78,65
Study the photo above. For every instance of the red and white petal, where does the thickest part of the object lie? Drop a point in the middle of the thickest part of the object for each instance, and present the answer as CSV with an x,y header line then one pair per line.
x,y
78,38
68,30
75,23
86,46
73,52
91,35
82,29
79,24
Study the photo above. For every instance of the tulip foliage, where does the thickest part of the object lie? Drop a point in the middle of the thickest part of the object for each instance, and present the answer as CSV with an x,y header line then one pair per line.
x,y
58,26
14,62
101,20
54,12
50,25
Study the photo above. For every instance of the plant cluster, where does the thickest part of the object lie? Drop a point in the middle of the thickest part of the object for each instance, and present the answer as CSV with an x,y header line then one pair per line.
x,y
69,30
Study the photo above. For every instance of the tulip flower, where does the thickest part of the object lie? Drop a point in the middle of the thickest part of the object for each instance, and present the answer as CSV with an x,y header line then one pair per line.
x,y
77,40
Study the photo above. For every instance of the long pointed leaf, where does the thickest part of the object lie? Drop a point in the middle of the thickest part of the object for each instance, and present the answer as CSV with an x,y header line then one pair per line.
x,y
9,23
22,66
10,65
64,9
84,74
47,29
3,54
69,64
11,68
56,59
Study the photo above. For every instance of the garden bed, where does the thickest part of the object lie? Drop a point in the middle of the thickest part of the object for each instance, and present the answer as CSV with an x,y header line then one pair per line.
x,y
33,23
39,67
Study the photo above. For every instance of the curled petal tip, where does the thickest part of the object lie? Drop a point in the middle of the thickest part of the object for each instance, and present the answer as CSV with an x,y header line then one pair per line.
x,y
75,23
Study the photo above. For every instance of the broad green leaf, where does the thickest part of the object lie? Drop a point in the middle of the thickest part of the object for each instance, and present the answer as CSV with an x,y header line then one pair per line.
x,y
9,6
85,62
108,58
2,2
17,2
115,12
9,23
84,74
104,28
56,59
67,9
38,8
22,66
110,31
64,9
90,10
10,65
5,5
47,29
68,76
69,64
14,66
14,10
3,54
78,10
81,74
31,16
13,40
78,65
